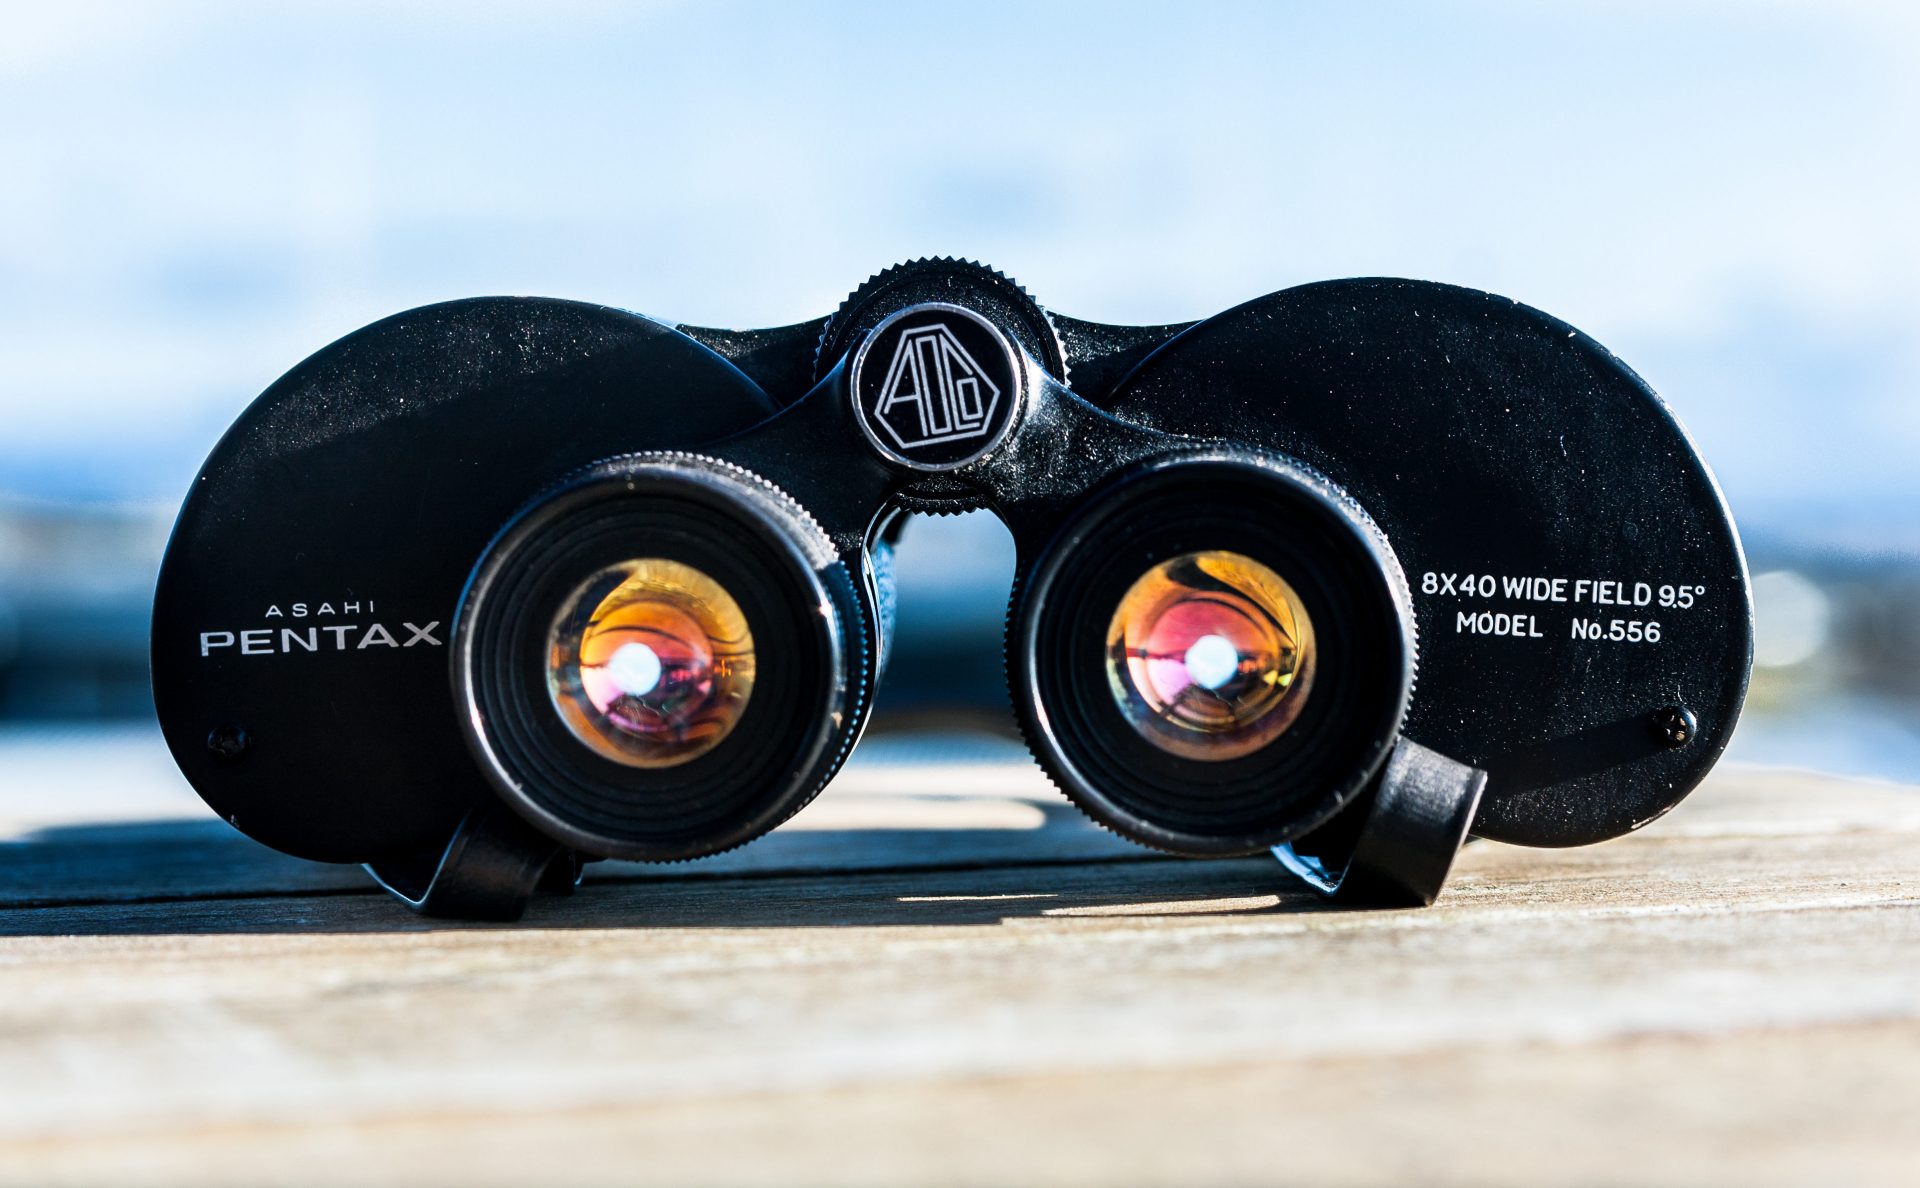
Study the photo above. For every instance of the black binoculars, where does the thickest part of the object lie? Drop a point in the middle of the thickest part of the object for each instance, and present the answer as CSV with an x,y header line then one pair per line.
x,y
495,587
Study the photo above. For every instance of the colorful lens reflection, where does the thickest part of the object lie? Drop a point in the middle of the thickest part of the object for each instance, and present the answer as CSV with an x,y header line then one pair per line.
x,y
1210,655
651,663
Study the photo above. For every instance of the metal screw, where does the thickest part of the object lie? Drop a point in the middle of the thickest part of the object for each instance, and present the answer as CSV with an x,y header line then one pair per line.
x,y
228,742
1673,725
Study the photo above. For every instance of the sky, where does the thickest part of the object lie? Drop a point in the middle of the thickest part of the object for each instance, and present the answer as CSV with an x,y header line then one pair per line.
x,y
193,197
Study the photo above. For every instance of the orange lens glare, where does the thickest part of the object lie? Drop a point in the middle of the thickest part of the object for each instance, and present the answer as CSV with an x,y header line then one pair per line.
x,y
1210,655
651,663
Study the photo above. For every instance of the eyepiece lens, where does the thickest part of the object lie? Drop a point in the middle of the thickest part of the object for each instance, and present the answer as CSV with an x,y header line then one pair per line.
x,y
1210,655
650,663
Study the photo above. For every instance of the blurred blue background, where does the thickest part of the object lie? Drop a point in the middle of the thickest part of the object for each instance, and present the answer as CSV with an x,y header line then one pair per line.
x,y
195,196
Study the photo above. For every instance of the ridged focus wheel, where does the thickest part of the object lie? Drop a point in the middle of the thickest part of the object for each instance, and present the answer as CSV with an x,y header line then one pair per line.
x,y
986,291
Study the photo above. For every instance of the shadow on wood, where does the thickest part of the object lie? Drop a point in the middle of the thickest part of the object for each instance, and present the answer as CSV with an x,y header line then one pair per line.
x,y
200,877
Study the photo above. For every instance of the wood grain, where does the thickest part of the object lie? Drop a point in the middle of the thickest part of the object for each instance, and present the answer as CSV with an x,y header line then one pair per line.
x,y
955,982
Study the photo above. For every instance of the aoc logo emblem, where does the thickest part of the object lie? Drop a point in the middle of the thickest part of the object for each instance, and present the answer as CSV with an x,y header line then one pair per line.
x,y
950,394
935,386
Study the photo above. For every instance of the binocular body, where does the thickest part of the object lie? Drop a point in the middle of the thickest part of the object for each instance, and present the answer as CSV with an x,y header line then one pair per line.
x,y
495,587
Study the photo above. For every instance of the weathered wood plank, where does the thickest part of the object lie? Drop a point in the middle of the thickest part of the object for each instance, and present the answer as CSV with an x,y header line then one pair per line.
x,y
1822,1105
1732,994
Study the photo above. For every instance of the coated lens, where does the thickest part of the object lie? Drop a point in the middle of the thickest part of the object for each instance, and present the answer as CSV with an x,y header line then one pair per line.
x,y
651,663
1210,655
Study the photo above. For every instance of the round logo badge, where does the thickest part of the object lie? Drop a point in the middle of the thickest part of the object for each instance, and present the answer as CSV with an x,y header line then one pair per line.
x,y
935,386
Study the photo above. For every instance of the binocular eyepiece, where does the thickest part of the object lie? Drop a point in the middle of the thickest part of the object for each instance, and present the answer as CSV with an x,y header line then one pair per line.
x,y
495,587
651,660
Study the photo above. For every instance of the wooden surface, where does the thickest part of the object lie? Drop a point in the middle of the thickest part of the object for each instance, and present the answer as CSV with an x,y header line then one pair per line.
x,y
940,974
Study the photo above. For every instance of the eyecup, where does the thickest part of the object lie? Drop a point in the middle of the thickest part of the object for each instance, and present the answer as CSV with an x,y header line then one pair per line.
x,y
803,606
1290,518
